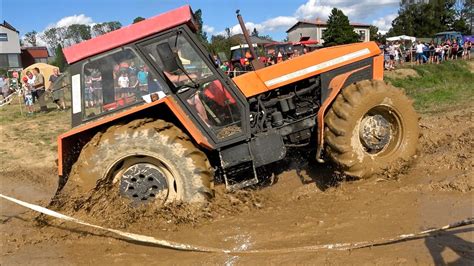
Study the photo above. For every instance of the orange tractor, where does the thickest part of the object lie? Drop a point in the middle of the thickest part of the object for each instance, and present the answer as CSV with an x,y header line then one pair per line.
x,y
155,120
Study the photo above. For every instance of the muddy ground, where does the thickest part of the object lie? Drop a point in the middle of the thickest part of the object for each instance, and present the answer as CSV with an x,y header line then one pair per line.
x,y
308,205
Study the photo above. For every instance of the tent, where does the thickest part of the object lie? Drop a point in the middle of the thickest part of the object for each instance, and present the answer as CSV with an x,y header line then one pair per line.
x,y
45,69
401,38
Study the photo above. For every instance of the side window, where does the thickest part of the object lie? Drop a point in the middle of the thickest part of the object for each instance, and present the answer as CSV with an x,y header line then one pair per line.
x,y
204,94
115,81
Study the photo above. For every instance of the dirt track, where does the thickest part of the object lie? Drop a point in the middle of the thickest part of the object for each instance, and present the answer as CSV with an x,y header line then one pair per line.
x,y
307,206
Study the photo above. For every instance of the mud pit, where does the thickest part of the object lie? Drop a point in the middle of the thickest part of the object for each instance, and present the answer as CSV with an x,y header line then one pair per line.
x,y
306,206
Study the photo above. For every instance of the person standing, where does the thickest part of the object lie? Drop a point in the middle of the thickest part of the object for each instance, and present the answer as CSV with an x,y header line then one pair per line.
x,y
3,81
454,49
27,96
419,53
58,94
40,89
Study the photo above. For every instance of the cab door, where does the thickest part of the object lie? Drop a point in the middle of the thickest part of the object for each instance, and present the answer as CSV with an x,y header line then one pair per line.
x,y
206,94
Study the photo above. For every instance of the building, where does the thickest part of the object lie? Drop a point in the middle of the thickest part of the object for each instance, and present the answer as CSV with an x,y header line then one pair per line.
x,y
32,55
315,31
9,47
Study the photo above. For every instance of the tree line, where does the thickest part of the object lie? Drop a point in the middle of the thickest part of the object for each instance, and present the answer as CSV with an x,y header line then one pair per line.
x,y
426,19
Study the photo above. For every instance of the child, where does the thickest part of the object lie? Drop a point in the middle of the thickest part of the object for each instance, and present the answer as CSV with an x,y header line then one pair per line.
x,y
27,95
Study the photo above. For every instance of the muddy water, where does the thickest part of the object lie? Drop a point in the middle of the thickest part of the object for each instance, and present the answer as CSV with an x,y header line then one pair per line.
x,y
309,205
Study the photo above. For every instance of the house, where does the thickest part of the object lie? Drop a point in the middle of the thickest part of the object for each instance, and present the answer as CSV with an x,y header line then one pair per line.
x,y
32,55
315,30
9,47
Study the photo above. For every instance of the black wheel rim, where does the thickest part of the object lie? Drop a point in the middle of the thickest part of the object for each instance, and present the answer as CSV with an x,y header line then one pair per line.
x,y
143,183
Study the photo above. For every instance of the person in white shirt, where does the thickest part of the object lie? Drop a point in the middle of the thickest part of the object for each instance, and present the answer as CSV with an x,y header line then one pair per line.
x,y
124,84
419,52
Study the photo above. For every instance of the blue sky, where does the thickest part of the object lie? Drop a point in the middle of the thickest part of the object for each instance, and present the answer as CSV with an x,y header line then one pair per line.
x,y
269,17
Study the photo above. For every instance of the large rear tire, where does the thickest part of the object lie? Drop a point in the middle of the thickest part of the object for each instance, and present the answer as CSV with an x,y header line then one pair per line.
x,y
371,126
144,161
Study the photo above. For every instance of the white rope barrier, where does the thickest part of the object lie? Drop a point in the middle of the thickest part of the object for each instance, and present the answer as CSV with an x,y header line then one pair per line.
x,y
8,99
187,247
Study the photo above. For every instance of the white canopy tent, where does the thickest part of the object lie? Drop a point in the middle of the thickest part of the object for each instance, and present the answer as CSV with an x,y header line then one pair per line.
x,y
401,38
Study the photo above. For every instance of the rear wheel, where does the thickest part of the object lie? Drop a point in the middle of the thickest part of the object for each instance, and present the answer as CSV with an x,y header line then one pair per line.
x,y
370,126
144,161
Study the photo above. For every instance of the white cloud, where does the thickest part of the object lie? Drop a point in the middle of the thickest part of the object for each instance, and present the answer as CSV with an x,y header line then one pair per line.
x,y
209,29
74,19
314,9
281,23
356,10
384,23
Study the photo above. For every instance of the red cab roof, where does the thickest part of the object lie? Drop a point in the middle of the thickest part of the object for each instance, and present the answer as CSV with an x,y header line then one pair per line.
x,y
125,35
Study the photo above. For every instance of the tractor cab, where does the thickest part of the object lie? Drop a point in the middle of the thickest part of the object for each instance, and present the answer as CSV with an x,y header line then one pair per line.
x,y
142,69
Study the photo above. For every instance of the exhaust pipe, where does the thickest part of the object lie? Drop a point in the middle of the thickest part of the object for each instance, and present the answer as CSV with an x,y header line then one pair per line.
x,y
256,64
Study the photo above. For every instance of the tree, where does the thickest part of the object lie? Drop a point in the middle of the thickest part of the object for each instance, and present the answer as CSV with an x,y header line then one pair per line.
x,y
424,20
255,32
375,35
339,31
78,32
373,32
59,60
113,25
220,43
30,38
102,28
50,36
202,35
138,19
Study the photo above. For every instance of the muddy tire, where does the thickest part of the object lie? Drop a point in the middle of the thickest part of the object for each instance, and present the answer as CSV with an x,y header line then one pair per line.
x,y
144,160
371,126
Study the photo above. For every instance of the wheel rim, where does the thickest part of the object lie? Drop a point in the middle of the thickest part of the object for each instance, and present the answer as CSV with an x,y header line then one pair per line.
x,y
380,130
145,180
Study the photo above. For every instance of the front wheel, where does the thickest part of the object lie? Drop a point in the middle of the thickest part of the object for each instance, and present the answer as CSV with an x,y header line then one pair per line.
x,y
370,126
143,161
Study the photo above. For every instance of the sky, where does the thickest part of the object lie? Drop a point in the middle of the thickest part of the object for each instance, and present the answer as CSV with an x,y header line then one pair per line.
x,y
270,17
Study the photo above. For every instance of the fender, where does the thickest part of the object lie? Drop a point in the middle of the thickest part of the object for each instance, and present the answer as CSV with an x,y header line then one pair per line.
x,y
335,86
71,143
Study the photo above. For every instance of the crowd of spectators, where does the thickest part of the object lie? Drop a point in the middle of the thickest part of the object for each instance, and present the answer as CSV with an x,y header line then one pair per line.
x,y
397,53
33,90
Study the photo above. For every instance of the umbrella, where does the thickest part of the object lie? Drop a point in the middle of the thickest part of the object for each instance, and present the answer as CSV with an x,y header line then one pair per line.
x,y
401,38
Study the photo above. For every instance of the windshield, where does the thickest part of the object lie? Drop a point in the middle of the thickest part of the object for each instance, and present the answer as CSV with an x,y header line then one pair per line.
x,y
191,70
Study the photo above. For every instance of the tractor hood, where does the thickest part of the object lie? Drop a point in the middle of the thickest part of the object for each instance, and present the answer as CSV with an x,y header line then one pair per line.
x,y
302,67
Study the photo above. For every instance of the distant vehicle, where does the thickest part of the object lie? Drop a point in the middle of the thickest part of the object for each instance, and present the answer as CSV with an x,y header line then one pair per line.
x,y
441,37
287,49
240,58
306,46
276,50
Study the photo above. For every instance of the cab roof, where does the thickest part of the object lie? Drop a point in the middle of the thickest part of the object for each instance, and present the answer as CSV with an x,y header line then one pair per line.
x,y
128,34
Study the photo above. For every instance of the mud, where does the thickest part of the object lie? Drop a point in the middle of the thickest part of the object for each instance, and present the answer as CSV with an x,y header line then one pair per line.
x,y
306,205
401,73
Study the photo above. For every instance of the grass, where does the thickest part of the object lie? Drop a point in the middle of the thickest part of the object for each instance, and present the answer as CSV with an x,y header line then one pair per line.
x,y
39,129
446,84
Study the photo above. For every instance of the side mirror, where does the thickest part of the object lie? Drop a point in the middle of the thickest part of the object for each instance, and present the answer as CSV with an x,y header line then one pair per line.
x,y
170,61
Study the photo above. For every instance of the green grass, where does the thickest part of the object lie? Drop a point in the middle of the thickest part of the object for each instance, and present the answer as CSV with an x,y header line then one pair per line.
x,y
449,83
